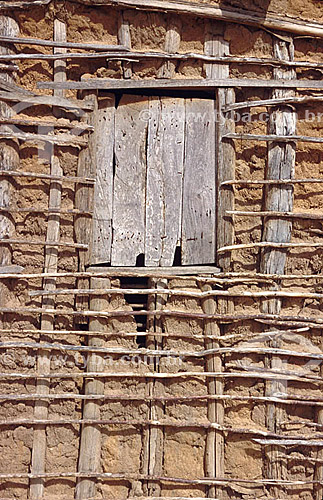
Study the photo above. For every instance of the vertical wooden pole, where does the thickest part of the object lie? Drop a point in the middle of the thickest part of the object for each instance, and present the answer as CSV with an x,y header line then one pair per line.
x,y
124,38
280,165
225,169
47,321
154,436
214,453
90,447
84,201
172,44
9,160
318,474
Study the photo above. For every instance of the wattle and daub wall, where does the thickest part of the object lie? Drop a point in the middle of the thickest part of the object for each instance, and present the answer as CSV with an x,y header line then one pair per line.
x,y
122,445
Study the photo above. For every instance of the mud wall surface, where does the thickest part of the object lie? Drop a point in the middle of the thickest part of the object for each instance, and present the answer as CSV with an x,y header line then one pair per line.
x,y
122,444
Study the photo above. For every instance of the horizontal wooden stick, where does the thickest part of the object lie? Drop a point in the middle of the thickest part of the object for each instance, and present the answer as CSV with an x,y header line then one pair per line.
x,y
9,241
261,375
166,479
117,272
266,244
299,400
287,215
272,102
68,211
160,353
298,320
122,334
67,45
34,122
34,175
155,423
170,292
273,138
41,100
215,12
59,139
288,442
121,53
111,84
63,56
269,182
193,8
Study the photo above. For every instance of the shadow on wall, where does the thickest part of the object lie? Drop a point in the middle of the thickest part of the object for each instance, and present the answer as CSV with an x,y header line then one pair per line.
x,y
259,6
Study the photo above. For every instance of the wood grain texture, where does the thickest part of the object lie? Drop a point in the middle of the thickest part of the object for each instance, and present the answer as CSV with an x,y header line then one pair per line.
x,y
280,165
226,163
37,487
153,438
165,155
103,139
174,83
215,12
172,45
9,156
203,10
59,44
90,445
47,323
124,37
129,213
214,451
199,193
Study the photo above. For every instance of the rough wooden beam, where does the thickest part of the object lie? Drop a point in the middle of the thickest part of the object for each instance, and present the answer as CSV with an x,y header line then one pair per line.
x,y
280,165
124,38
84,195
172,45
153,442
9,151
76,106
90,446
111,84
9,158
37,486
216,12
215,45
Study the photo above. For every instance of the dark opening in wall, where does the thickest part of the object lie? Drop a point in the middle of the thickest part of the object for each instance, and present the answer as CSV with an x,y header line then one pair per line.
x,y
138,302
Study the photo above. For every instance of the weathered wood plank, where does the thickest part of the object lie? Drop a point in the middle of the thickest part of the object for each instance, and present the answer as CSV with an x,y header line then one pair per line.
x,y
37,486
124,37
110,84
199,192
128,218
47,323
215,12
90,446
130,56
203,10
76,105
226,160
9,151
162,272
103,139
172,45
165,157
59,139
214,451
280,165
